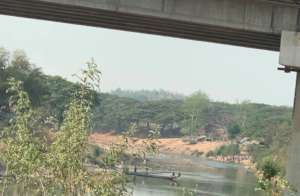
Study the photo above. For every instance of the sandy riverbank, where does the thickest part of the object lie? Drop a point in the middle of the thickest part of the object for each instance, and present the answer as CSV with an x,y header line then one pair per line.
x,y
166,145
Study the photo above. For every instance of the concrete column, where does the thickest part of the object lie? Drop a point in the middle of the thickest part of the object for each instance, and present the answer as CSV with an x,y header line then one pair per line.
x,y
293,168
290,58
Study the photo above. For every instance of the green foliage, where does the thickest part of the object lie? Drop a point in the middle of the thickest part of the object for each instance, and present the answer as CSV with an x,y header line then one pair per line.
x,y
57,165
94,155
23,155
67,153
147,95
226,150
271,180
234,130
115,113
4,58
60,92
270,168
194,109
20,68
60,166
176,115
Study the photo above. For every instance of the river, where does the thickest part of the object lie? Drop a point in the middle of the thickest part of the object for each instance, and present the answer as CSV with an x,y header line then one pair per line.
x,y
199,176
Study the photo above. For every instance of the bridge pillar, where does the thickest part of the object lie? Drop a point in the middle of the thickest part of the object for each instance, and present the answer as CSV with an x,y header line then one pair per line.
x,y
293,166
290,59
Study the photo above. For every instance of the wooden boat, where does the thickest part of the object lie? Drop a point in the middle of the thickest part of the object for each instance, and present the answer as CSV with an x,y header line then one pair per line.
x,y
171,177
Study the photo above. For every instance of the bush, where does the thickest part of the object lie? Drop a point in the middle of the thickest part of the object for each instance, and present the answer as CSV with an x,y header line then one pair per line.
x,y
234,130
225,150
228,150
271,180
210,153
270,168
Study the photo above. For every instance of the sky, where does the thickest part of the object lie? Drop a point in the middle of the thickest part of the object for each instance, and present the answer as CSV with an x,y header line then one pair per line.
x,y
137,61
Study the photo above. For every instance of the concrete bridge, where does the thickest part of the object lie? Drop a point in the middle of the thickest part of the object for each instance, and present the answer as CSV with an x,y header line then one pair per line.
x,y
249,23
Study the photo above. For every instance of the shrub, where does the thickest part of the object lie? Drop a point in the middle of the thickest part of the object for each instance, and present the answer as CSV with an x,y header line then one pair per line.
x,y
271,180
225,150
234,130
270,168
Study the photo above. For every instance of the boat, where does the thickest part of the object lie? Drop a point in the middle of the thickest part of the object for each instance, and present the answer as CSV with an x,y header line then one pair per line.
x,y
161,175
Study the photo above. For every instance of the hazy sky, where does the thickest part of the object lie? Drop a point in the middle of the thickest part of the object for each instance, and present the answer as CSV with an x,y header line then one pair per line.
x,y
140,61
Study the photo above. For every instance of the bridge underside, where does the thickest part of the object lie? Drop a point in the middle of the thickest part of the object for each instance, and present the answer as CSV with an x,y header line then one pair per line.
x,y
151,24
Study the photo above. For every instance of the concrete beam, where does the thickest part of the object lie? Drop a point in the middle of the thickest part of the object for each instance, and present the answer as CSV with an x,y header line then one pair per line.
x,y
253,15
290,49
249,23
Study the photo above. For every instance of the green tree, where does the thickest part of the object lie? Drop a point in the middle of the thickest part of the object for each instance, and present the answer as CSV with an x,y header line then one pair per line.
x,y
20,68
233,130
20,61
67,153
60,167
4,61
23,153
194,108
58,96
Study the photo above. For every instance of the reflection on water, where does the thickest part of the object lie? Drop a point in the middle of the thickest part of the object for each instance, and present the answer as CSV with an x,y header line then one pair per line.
x,y
199,177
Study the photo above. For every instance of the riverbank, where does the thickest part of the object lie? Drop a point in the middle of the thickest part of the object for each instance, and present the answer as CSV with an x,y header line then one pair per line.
x,y
177,146
166,145
244,160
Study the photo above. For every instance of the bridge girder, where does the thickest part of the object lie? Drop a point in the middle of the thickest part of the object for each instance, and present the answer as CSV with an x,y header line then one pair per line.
x,y
249,23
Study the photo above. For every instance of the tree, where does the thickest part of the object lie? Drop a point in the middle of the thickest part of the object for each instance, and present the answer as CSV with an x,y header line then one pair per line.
x,y
194,108
20,68
23,154
168,116
233,130
67,153
20,61
58,96
58,168
4,61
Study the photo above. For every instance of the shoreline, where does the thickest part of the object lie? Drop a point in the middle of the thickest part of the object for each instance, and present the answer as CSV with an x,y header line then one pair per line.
x,y
165,145
176,146
244,160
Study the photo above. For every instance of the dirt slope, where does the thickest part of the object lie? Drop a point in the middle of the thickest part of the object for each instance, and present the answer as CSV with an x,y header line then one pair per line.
x,y
170,145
